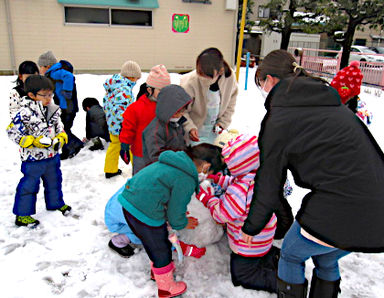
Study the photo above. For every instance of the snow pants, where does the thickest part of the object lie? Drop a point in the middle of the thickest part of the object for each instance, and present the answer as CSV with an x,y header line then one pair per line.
x,y
112,156
115,220
257,273
154,239
26,193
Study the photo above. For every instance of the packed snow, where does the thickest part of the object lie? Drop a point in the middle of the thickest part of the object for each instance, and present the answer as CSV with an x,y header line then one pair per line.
x,y
69,256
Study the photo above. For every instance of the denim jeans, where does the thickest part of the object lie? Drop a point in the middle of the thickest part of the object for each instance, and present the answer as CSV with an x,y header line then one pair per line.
x,y
296,249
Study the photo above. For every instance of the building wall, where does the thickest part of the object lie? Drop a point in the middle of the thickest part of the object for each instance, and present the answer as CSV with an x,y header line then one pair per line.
x,y
39,26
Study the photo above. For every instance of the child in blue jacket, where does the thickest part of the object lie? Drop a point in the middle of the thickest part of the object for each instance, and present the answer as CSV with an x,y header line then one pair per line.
x,y
158,195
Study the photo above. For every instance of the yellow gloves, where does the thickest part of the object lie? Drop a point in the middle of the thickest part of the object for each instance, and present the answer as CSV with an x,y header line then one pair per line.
x,y
59,141
26,141
42,142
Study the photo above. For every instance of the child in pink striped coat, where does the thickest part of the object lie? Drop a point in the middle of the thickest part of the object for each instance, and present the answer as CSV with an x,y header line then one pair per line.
x,y
252,266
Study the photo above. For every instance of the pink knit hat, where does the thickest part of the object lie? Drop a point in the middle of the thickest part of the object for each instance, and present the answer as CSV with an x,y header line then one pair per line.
x,y
158,77
241,155
347,81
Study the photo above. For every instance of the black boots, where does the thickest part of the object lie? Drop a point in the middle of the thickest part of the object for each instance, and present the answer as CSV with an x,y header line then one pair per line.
x,y
321,288
288,290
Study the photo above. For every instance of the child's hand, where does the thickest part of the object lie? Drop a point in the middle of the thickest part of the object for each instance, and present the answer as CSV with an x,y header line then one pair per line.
x,y
194,135
246,238
192,223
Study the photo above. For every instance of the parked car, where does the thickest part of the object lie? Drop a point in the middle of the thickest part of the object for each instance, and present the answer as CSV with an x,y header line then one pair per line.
x,y
362,53
377,50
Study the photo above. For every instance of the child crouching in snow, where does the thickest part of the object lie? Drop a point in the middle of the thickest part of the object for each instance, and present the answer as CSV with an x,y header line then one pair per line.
x,y
159,194
121,243
253,266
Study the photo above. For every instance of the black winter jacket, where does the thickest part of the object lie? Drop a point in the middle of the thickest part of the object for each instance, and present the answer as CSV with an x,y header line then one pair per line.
x,y
96,123
329,151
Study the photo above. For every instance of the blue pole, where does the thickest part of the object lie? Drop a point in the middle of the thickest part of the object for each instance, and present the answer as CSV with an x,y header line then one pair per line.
x,y
246,71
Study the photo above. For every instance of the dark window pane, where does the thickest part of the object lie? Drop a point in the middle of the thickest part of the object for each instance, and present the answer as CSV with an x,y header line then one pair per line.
x,y
131,17
86,15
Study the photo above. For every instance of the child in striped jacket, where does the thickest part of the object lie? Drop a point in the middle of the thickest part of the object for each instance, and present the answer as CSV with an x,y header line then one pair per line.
x,y
252,266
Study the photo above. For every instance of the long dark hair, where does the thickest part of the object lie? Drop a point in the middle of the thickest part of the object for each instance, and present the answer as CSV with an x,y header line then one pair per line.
x,y
212,59
281,64
26,67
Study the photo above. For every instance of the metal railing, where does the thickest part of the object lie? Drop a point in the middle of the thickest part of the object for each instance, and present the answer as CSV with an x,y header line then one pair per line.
x,y
327,63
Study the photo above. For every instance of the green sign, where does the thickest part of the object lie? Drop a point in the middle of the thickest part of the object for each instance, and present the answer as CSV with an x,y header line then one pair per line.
x,y
180,23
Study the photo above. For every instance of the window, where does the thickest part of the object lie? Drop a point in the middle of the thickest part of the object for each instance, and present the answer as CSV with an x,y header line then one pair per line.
x,y
263,12
108,16
86,15
360,42
131,17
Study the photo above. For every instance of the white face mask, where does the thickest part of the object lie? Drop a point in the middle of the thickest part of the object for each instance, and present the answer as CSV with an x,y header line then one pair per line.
x,y
263,92
174,119
202,176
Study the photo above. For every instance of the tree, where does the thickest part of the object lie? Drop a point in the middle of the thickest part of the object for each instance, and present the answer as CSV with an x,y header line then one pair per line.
x,y
350,15
300,15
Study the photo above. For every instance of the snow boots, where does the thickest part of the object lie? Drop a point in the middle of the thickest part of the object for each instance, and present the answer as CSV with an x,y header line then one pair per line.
x,y
26,221
166,285
288,290
321,288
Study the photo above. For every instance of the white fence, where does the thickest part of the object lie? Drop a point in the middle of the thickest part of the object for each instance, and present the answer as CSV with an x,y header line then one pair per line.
x,y
327,63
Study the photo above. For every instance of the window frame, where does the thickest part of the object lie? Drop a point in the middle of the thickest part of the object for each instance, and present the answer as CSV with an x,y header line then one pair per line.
x,y
109,8
264,8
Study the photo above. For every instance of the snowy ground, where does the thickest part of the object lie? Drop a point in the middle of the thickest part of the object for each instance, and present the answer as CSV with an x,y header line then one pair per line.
x,y
69,257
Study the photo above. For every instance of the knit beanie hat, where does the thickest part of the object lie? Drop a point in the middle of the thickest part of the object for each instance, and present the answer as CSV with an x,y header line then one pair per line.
x,y
158,77
223,138
47,59
241,154
347,81
131,69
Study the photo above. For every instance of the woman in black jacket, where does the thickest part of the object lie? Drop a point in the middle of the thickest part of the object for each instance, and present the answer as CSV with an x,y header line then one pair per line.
x,y
308,131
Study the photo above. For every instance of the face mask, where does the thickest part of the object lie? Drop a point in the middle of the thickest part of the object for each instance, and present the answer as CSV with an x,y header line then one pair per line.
x,y
263,92
174,119
202,176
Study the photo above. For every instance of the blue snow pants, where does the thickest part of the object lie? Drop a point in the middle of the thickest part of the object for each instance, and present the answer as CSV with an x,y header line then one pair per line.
x,y
115,220
26,193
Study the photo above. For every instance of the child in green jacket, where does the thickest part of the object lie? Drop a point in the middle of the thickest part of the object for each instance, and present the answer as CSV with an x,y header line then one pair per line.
x,y
159,194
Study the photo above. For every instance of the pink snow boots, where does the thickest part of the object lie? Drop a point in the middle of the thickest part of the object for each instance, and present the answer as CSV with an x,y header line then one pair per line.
x,y
167,286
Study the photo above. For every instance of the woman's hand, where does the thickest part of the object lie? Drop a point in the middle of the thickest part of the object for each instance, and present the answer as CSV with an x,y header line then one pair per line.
x,y
192,223
194,135
246,238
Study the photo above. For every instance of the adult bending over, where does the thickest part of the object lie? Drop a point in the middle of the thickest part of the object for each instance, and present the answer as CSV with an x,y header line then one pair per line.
x,y
308,131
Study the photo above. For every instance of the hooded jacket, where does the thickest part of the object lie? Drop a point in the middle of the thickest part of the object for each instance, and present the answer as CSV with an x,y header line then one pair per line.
x,y
33,119
242,158
162,191
198,89
118,97
162,134
64,81
330,152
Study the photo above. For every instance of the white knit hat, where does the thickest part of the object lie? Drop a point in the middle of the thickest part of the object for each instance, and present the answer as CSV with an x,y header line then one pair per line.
x,y
158,77
131,69
47,59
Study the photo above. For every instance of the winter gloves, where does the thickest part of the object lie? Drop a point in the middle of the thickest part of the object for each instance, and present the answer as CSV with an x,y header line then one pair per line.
x,y
44,142
124,153
215,177
190,250
39,142
204,195
59,141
